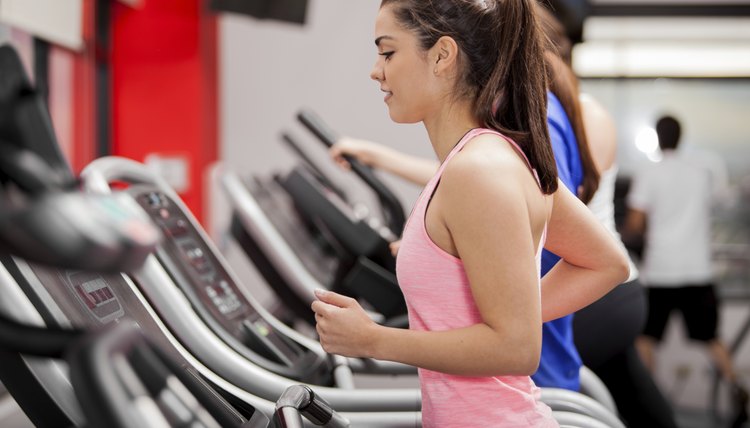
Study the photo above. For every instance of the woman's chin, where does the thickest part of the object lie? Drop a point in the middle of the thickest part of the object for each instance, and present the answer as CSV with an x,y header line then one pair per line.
x,y
399,117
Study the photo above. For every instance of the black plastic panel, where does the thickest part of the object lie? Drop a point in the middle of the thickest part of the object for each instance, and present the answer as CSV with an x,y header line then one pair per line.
x,y
282,10
377,286
317,202
216,297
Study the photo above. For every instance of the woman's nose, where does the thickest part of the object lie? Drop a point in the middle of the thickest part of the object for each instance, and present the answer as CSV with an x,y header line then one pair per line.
x,y
377,72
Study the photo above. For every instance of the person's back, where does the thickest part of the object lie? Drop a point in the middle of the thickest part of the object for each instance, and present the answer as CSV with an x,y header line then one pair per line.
x,y
678,200
671,203
605,331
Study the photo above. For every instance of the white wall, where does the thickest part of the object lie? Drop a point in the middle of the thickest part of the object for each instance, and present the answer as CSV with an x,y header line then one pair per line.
x,y
269,70
57,21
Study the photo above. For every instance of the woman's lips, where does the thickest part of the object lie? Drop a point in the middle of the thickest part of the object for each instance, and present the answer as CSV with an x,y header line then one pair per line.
x,y
388,95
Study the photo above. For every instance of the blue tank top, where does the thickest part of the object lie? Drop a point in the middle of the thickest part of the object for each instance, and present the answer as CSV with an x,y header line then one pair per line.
x,y
560,364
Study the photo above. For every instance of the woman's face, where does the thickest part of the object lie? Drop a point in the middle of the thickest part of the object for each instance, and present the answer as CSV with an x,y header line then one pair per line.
x,y
403,70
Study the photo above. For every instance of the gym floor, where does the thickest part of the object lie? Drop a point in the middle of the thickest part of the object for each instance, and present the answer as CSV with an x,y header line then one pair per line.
x,y
697,418
11,416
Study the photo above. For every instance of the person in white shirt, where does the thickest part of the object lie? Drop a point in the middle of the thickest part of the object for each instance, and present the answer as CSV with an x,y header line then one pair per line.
x,y
669,204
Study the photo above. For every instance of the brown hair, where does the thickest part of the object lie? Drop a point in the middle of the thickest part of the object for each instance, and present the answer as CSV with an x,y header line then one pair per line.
x,y
564,84
502,49
554,30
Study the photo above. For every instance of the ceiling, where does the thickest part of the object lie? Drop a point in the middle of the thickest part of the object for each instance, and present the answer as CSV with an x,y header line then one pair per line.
x,y
663,38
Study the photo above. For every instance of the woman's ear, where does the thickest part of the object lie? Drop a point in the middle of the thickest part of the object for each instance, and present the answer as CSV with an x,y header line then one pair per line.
x,y
444,55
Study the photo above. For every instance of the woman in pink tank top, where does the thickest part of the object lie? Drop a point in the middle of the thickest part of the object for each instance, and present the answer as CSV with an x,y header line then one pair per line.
x,y
472,72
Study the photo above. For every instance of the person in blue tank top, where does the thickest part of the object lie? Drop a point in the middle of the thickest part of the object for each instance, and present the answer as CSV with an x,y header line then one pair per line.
x,y
560,364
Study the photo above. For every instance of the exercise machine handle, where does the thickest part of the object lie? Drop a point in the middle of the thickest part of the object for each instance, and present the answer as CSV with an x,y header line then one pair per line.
x,y
319,174
298,400
37,341
393,209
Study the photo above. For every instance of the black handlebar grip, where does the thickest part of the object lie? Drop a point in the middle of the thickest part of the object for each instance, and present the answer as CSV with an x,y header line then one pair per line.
x,y
394,211
304,400
317,127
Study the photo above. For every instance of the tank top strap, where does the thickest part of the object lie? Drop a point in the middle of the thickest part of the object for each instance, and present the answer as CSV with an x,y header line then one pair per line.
x,y
480,131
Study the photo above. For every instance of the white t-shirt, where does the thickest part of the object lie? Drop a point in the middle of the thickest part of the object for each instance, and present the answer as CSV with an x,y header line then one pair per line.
x,y
677,195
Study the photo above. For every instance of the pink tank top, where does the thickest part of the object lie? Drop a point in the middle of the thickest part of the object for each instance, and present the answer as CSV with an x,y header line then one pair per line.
x,y
439,297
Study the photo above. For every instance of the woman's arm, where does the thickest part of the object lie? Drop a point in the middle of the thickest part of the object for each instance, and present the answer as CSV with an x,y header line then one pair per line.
x,y
485,211
592,263
411,168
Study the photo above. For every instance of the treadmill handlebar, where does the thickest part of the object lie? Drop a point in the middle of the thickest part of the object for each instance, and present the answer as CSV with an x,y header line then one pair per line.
x,y
394,211
301,399
104,233
37,341
322,177
125,380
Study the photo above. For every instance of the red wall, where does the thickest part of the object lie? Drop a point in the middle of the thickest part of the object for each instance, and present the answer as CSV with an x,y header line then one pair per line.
x,y
164,86
84,93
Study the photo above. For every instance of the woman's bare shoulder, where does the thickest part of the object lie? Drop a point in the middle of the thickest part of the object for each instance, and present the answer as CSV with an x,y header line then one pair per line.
x,y
492,153
488,164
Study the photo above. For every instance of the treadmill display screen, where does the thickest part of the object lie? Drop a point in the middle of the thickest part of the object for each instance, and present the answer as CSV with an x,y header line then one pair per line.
x,y
186,252
200,274
223,297
95,293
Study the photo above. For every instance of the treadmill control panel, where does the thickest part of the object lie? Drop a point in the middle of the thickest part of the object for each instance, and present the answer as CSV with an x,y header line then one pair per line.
x,y
95,293
184,248
209,287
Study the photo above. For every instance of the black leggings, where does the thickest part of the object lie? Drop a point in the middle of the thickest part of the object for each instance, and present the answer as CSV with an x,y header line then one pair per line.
x,y
604,333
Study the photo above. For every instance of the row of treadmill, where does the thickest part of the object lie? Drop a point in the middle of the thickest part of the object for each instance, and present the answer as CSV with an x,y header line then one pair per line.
x,y
117,309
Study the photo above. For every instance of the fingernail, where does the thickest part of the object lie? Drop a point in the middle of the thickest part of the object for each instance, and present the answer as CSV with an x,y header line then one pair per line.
x,y
320,292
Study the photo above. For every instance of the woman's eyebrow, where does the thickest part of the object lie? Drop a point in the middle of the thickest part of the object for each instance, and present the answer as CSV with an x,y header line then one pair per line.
x,y
381,38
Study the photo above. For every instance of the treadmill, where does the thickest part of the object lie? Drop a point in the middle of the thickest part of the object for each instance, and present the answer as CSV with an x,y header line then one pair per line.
x,y
131,383
41,219
301,233
220,322
54,298
54,372
264,210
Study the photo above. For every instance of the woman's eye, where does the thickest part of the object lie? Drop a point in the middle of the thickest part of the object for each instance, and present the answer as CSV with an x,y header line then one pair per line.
x,y
387,55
